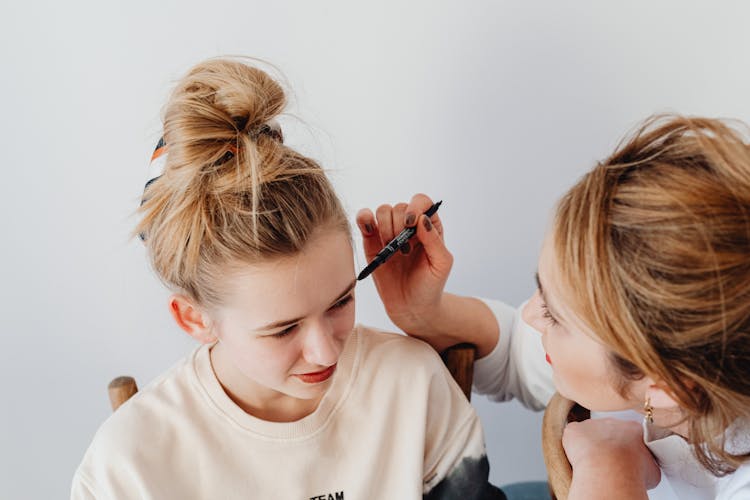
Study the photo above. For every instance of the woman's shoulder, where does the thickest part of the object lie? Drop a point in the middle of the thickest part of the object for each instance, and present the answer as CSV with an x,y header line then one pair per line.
x,y
735,486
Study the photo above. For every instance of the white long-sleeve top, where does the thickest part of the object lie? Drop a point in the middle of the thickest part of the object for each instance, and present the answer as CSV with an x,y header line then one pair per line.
x,y
516,368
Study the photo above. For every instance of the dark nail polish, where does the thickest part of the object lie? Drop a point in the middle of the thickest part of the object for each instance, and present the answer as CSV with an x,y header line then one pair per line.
x,y
427,224
368,229
406,248
410,219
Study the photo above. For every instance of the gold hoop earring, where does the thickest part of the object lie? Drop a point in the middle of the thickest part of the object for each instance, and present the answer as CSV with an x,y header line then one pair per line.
x,y
648,410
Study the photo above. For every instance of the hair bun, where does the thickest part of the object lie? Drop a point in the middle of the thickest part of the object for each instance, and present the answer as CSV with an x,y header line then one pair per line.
x,y
246,95
220,108
230,190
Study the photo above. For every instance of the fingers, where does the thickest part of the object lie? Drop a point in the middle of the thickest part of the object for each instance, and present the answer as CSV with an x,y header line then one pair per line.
x,y
417,206
441,260
366,222
380,228
398,214
384,214
371,240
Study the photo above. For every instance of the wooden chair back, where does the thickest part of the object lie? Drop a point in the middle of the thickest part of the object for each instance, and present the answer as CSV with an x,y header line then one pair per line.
x,y
558,413
460,362
121,389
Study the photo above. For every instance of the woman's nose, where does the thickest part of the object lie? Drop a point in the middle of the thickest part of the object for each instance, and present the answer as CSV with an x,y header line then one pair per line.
x,y
532,313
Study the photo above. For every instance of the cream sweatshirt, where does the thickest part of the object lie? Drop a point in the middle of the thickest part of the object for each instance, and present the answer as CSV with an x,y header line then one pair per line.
x,y
393,425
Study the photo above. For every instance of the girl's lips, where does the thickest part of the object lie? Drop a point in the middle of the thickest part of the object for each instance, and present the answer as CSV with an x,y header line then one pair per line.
x,y
317,377
546,356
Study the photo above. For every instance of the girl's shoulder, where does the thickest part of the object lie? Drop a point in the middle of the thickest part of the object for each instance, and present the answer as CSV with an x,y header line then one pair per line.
x,y
392,347
396,356
150,411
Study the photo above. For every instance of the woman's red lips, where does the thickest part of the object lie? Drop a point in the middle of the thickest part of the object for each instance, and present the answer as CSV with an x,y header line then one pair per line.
x,y
316,377
546,356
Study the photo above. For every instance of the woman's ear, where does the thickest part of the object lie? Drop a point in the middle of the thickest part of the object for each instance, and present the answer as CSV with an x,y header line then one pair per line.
x,y
660,396
191,319
665,408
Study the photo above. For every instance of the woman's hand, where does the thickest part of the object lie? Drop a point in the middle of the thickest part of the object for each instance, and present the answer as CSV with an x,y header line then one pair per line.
x,y
609,459
411,285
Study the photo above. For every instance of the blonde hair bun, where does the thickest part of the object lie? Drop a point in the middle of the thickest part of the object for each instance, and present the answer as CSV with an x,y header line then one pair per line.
x,y
230,190
219,110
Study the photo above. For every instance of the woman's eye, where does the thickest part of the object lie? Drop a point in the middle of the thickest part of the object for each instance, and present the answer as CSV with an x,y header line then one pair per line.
x,y
548,316
343,302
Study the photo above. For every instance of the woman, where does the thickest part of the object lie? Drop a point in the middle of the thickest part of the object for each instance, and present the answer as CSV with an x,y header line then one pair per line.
x,y
643,303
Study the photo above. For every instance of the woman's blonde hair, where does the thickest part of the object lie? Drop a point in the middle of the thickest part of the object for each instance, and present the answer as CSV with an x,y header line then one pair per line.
x,y
654,249
231,190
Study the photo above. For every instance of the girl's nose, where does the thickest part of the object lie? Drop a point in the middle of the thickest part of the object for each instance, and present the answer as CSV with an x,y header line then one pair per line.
x,y
321,347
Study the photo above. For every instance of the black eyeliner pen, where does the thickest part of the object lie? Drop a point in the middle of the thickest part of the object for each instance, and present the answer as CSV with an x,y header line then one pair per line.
x,y
394,245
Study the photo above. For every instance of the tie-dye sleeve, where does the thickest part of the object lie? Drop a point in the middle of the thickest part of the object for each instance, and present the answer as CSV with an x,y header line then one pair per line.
x,y
455,464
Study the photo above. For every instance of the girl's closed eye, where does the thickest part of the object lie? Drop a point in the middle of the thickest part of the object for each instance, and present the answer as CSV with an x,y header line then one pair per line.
x,y
283,333
343,302
338,305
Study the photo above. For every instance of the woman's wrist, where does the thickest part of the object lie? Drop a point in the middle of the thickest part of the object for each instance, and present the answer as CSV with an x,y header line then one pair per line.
x,y
458,319
619,480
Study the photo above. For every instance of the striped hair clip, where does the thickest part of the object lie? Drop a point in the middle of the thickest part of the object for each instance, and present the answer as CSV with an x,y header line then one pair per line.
x,y
156,166
159,158
155,170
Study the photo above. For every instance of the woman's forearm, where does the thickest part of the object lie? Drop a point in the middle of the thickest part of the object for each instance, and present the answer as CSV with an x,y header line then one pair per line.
x,y
461,319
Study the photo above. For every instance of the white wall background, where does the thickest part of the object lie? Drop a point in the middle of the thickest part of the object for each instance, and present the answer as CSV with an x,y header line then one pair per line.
x,y
494,107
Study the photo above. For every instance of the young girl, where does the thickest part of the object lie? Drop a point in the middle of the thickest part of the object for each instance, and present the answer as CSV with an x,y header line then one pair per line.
x,y
643,303
285,397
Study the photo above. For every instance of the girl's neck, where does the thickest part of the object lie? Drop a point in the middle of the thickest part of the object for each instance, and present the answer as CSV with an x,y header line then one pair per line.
x,y
256,400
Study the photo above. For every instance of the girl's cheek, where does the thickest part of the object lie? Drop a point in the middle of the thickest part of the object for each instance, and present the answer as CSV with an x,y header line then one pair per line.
x,y
344,324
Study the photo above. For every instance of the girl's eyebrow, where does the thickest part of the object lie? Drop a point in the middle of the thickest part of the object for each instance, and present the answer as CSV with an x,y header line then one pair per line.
x,y
345,292
285,322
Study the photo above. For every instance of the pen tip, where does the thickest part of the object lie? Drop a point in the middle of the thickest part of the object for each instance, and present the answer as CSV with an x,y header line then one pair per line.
x,y
368,270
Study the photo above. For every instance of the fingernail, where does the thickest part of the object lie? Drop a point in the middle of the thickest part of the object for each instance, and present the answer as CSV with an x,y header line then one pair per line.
x,y
368,229
405,248
427,224
410,218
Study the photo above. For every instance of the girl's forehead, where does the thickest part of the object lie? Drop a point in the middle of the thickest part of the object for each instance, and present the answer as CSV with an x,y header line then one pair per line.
x,y
279,286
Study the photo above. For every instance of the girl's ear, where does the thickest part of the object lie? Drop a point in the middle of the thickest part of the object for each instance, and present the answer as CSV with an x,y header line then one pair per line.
x,y
191,319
